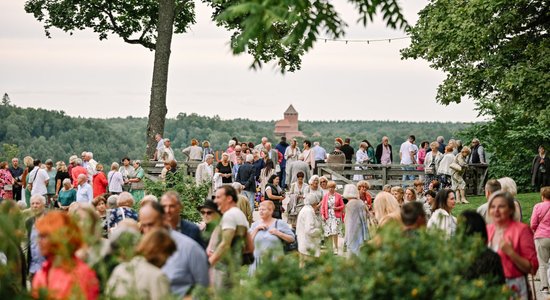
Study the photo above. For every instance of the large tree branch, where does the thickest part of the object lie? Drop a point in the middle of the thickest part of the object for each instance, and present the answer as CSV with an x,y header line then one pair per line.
x,y
117,29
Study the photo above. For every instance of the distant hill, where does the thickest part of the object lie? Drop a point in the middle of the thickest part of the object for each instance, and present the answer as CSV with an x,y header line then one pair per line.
x,y
52,134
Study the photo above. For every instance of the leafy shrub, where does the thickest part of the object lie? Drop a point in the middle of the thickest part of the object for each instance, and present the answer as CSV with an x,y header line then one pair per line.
x,y
425,266
192,195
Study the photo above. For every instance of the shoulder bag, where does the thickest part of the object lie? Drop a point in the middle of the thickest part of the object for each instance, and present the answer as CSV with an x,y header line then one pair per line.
x,y
288,247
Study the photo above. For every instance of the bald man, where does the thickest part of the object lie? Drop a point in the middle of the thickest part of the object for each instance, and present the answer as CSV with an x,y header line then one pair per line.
x,y
188,266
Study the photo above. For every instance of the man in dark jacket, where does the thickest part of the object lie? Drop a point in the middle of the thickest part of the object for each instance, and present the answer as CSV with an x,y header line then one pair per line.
x,y
281,147
348,152
384,154
171,202
246,177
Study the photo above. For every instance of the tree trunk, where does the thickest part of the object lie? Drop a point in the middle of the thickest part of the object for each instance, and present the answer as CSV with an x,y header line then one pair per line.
x,y
157,104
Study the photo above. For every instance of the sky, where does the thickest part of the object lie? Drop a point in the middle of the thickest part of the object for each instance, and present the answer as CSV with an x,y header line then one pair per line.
x,y
90,78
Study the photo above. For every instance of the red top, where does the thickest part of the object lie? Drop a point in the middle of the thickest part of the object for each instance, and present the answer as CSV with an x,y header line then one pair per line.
x,y
100,184
338,206
77,171
79,280
520,237
367,199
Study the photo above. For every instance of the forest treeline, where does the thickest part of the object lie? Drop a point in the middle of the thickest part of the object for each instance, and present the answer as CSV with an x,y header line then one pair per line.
x,y
53,134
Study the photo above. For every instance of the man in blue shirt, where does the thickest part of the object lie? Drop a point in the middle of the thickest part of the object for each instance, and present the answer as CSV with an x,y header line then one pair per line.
x,y
188,266
320,155
281,147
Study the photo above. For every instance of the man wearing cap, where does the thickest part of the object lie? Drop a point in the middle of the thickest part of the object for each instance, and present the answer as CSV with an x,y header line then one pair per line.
x,y
478,153
210,219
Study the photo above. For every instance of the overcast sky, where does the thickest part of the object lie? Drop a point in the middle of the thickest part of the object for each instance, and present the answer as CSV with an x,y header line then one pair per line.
x,y
86,77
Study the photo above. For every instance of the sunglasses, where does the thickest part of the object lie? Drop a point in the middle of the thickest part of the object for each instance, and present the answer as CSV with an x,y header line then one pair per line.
x,y
206,212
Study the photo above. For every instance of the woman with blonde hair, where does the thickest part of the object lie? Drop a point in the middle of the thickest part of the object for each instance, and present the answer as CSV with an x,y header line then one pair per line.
x,y
508,184
224,168
386,209
206,150
363,186
61,175
399,194
458,168
141,277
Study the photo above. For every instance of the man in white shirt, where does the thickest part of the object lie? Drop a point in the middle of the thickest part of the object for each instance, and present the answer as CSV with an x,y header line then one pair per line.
x,y
205,172
160,146
407,154
38,178
234,226
261,146
85,193
91,166
167,153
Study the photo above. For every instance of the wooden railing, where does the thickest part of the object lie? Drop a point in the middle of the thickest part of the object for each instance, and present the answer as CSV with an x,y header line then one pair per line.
x,y
153,168
380,175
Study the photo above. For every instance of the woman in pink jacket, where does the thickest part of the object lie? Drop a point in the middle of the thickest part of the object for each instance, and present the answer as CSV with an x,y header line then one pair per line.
x,y
63,276
332,211
540,224
513,241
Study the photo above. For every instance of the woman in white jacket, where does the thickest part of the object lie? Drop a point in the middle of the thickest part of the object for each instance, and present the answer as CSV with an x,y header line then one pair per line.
x,y
309,230
441,217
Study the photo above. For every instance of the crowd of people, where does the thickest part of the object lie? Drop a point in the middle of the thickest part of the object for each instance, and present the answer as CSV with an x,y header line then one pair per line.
x,y
90,233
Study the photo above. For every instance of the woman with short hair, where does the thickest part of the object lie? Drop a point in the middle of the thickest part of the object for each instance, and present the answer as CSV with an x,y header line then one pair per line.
x,y
61,175
137,186
297,194
224,168
309,230
206,150
444,170
508,184
193,152
124,210
100,182
100,205
361,157
115,179
431,164
332,211
269,235
275,193
442,218
363,186
63,275
67,194
513,241
141,277
458,168
314,188
399,194
292,152
355,220
6,181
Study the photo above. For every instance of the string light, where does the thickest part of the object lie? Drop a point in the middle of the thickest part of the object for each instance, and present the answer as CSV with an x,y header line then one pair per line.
x,y
368,41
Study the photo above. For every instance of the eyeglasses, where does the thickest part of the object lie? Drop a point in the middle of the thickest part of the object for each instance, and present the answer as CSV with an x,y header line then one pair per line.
x,y
206,212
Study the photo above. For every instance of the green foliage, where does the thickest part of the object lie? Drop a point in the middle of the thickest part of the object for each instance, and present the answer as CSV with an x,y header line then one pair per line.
x,y
192,195
497,53
8,152
285,30
12,235
134,21
426,266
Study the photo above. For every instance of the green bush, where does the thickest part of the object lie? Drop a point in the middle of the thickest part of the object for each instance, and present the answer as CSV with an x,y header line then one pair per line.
x,y
192,195
426,266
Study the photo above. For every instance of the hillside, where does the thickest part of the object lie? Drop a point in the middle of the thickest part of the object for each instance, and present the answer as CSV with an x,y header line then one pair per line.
x,y
52,134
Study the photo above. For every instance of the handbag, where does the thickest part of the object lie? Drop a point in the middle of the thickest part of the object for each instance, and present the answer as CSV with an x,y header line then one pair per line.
x,y
8,187
247,257
288,247
455,167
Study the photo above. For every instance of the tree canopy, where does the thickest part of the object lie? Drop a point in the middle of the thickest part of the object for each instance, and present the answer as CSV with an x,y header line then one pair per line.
x,y
496,52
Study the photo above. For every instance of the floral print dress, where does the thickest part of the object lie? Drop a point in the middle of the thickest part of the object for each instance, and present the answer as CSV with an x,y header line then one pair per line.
x,y
332,225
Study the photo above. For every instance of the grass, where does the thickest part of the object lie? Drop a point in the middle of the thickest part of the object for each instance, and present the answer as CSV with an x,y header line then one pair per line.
x,y
527,202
